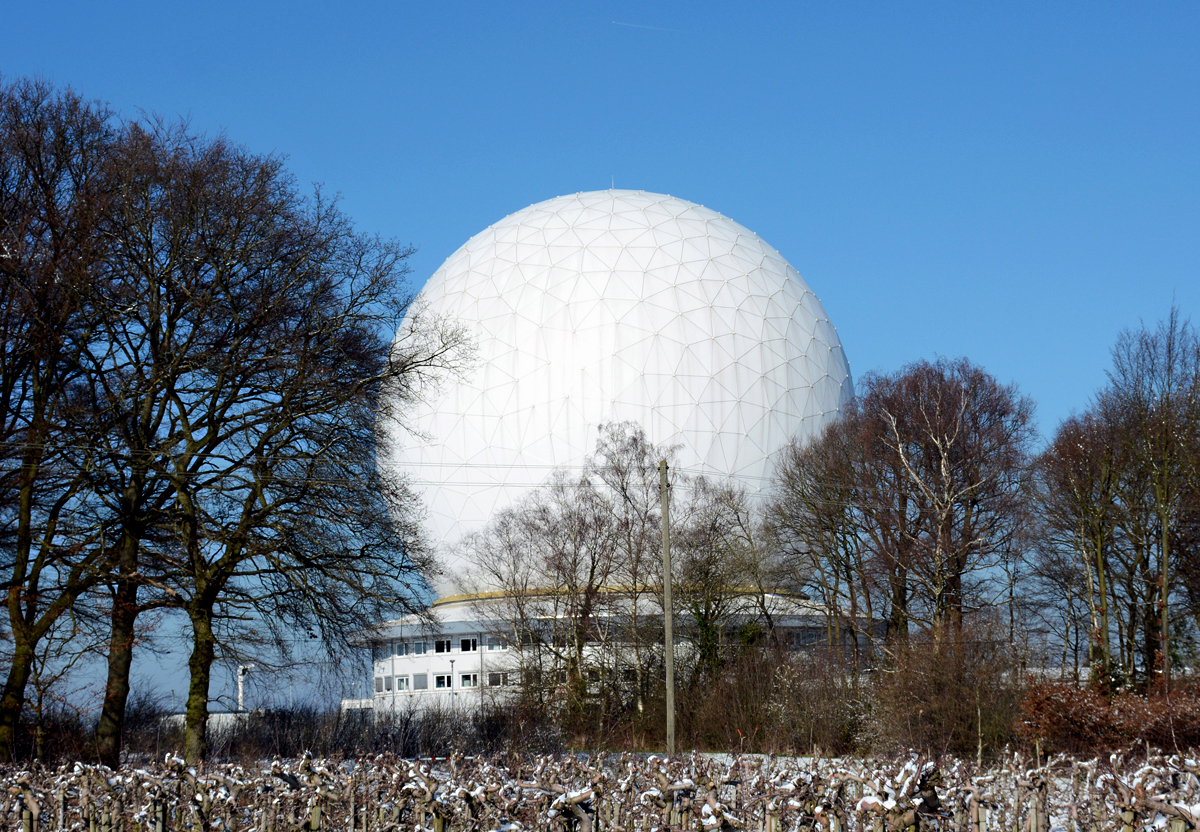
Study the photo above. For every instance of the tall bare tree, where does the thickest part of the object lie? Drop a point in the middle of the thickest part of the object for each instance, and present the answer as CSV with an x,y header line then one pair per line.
x,y
821,529
53,149
577,567
906,507
962,440
249,352
1078,479
1118,488
554,556
1155,385
626,463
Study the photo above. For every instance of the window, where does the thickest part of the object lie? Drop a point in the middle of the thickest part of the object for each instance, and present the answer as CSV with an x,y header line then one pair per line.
x,y
443,681
376,652
497,680
378,684
387,682
470,680
401,683
494,643
420,681
469,645
419,648
398,648
441,646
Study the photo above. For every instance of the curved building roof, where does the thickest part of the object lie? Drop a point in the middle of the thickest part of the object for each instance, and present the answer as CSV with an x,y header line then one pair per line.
x,y
612,306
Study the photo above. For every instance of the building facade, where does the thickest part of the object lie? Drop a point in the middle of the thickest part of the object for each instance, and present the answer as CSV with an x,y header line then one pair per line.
x,y
449,660
464,654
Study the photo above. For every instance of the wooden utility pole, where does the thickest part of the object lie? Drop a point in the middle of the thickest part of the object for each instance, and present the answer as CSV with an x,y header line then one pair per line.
x,y
668,623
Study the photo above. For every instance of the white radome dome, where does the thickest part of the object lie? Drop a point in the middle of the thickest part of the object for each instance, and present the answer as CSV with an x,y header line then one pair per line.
x,y
615,306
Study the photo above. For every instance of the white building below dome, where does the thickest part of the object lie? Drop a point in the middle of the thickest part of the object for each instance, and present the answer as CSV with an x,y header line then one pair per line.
x,y
464,654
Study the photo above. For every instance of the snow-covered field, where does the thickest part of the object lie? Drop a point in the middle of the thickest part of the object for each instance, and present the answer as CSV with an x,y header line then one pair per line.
x,y
612,792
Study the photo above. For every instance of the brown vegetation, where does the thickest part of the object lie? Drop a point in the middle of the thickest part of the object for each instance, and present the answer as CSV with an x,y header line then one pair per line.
x,y
1067,718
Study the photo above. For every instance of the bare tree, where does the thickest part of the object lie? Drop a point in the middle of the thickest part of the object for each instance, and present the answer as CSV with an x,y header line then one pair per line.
x,y
1077,481
574,575
962,440
906,508
52,188
553,556
250,348
626,463
728,577
821,529
1117,490
1155,386
70,644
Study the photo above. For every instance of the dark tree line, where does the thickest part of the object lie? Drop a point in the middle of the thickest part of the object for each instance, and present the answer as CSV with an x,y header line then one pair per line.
x,y
945,554
1118,511
926,523
196,357
908,509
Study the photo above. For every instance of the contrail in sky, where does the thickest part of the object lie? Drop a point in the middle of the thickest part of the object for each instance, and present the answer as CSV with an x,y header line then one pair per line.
x,y
640,26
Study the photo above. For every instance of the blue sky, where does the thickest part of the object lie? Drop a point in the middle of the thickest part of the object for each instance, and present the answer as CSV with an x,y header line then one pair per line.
x,y
1011,182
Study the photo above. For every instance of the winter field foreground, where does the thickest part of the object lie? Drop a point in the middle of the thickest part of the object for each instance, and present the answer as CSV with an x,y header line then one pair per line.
x,y
612,792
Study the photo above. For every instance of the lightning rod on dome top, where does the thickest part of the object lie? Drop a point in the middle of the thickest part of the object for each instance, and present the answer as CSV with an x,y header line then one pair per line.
x,y
668,623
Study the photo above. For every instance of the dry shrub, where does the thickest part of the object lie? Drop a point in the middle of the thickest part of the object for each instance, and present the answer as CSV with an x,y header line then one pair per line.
x,y
821,703
429,732
1067,718
948,695
768,700
730,711
1163,722
63,735
1064,717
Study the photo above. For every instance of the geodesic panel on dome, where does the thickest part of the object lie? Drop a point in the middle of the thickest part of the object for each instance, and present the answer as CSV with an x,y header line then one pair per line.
x,y
618,306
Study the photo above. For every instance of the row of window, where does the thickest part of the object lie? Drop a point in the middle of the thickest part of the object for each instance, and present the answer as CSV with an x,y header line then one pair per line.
x,y
441,681
441,645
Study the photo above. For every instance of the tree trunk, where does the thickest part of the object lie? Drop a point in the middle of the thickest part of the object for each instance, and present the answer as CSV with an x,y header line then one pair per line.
x,y
22,591
200,666
14,694
1102,584
898,620
1150,629
39,729
116,690
1165,597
